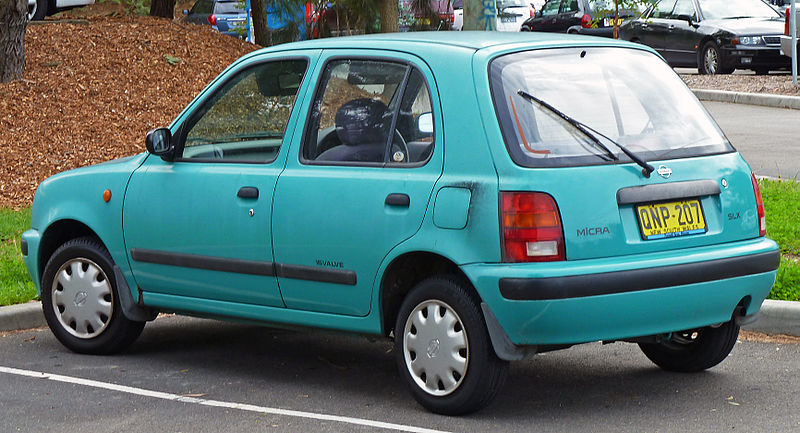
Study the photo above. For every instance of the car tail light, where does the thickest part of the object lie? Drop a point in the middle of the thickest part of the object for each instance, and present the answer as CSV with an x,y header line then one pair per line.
x,y
586,21
212,19
786,22
762,220
531,11
531,226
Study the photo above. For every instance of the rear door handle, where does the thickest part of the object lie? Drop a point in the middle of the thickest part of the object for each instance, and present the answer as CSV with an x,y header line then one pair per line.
x,y
247,192
398,200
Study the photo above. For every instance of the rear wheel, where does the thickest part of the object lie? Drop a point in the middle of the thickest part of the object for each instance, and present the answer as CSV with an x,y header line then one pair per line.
x,y
37,9
693,350
80,299
443,349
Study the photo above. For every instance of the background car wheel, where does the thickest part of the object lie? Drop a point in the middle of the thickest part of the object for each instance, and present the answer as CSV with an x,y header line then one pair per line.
x,y
524,29
80,300
443,349
37,9
710,60
693,350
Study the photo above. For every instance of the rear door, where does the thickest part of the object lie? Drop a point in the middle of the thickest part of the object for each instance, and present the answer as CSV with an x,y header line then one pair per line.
x,y
361,182
681,38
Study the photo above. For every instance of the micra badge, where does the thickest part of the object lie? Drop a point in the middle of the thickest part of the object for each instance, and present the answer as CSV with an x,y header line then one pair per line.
x,y
664,171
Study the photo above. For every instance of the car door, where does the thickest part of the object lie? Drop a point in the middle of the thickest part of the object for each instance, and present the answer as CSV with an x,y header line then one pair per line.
x,y
652,31
547,21
199,226
569,15
371,154
681,37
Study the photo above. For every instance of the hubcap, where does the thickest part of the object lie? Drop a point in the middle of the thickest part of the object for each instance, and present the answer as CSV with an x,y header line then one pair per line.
x,y
435,346
31,9
712,60
82,298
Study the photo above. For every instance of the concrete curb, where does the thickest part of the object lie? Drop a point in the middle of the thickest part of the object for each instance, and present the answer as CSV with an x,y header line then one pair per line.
x,y
777,317
765,100
22,316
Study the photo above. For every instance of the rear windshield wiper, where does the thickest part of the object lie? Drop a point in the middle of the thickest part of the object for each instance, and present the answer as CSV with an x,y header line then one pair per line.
x,y
587,131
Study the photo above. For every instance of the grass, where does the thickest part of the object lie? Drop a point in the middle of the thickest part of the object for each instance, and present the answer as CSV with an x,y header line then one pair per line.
x,y
15,285
781,203
782,207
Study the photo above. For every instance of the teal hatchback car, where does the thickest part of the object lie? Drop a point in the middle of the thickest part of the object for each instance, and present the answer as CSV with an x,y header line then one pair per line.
x,y
477,197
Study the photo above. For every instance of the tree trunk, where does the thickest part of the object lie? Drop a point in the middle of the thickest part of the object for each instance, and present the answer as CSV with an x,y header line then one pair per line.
x,y
480,15
390,14
162,8
258,9
13,20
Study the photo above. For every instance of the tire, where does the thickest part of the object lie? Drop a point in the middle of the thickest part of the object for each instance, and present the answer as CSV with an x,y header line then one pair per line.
x,y
709,60
524,29
693,350
468,380
37,9
80,299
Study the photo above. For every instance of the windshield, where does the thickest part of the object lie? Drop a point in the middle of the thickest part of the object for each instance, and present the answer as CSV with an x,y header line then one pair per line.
x,y
630,96
726,9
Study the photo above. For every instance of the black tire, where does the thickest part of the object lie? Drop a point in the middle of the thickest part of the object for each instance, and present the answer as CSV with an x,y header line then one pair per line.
x,y
710,60
524,29
39,11
693,350
483,372
85,315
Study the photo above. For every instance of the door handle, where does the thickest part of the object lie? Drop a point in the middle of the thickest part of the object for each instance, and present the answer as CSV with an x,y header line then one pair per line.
x,y
247,192
398,200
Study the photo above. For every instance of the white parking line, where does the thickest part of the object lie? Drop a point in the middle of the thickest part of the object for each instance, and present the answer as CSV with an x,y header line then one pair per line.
x,y
215,403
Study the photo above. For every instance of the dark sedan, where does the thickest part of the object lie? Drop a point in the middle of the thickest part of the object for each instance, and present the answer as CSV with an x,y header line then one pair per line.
x,y
716,36
591,17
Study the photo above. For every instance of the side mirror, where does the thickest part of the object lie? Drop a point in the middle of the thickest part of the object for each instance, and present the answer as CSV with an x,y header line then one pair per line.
x,y
425,123
687,18
159,142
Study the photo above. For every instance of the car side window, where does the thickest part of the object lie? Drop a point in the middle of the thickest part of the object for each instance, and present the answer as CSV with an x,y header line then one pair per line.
x,y
203,7
683,7
370,112
244,121
570,6
551,8
663,9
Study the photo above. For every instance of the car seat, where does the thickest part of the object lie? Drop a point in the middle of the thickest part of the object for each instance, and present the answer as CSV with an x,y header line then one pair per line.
x,y
361,125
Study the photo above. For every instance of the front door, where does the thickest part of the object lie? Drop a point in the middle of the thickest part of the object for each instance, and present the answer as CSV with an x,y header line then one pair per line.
x,y
361,184
200,226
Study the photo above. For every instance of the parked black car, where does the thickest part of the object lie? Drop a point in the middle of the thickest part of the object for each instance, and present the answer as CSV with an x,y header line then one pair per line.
x,y
592,17
716,36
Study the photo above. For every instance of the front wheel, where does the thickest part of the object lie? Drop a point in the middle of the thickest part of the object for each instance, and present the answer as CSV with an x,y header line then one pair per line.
x,y
443,350
693,350
710,60
80,299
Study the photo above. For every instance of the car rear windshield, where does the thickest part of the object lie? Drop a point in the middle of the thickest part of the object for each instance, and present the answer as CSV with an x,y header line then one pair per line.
x,y
629,96
233,7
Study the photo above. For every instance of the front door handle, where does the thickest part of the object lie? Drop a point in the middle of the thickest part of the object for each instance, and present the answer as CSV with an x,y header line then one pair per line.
x,y
247,192
398,200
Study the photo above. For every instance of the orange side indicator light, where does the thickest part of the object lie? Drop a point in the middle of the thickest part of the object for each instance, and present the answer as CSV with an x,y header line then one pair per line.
x,y
107,195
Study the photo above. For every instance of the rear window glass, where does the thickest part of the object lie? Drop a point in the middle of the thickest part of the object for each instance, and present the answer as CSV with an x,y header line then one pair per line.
x,y
629,96
234,7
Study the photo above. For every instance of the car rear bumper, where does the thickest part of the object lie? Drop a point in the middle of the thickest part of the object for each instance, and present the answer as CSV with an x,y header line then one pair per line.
x,y
626,297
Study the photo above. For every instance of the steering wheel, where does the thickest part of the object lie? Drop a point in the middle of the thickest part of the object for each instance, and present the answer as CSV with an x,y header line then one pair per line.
x,y
402,155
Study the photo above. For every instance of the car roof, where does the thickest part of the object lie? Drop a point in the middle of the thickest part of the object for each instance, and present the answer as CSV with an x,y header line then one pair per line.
x,y
443,41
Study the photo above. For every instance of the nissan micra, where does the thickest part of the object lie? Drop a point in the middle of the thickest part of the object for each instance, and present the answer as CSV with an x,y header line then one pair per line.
x,y
476,197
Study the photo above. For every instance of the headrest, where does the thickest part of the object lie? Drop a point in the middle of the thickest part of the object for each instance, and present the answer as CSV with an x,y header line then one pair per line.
x,y
362,121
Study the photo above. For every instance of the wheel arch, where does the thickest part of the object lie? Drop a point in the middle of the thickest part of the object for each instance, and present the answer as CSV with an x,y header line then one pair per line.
x,y
57,234
406,271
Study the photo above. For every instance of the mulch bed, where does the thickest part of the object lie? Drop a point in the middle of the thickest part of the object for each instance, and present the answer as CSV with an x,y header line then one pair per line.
x,y
91,91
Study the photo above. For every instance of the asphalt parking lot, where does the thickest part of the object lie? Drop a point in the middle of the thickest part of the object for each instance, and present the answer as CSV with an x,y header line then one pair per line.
x,y
193,375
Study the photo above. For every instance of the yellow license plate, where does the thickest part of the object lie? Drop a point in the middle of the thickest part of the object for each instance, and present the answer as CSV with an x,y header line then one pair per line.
x,y
672,219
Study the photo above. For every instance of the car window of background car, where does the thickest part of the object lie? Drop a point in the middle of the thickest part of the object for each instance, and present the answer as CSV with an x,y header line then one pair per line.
x,y
663,9
570,6
512,4
654,117
203,7
683,7
245,120
230,7
353,113
551,7
721,9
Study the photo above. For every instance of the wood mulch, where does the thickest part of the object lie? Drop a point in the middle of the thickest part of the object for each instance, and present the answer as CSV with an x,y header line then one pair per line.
x,y
90,92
